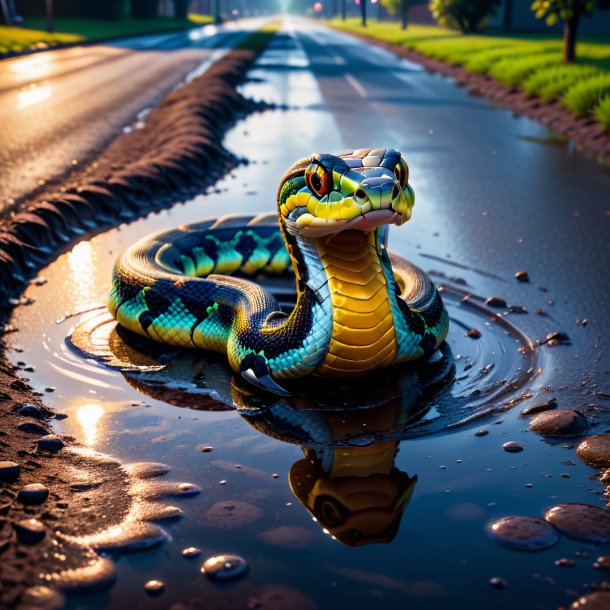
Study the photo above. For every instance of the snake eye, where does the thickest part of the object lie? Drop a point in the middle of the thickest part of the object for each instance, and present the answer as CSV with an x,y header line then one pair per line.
x,y
401,171
317,179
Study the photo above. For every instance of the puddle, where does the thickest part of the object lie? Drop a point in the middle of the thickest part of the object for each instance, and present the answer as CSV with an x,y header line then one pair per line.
x,y
401,471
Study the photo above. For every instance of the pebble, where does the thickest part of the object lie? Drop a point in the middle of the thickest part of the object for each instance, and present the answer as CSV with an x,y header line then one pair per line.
x,y
9,471
564,562
595,450
50,442
495,301
32,428
35,493
154,587
206,449
523,533
512,447
498,583
517,309
30,531
29,410
563,422
600,600
581,522
191,552
473,333
522,276
42,598
224,567
539,408
603,561
556,338
481,432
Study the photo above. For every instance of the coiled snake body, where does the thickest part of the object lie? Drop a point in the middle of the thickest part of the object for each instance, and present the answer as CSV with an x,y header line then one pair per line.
x,y
358,307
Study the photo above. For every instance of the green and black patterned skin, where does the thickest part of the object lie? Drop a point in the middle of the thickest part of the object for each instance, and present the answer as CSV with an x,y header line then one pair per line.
x,y
358,307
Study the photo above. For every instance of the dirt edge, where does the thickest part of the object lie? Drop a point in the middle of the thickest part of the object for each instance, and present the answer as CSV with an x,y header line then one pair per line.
x,y
177,152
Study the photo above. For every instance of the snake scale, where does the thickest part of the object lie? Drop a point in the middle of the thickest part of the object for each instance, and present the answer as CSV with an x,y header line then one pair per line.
x,y
358,307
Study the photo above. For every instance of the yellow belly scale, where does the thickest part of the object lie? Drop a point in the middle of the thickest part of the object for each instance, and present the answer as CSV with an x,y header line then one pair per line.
x,y
363,335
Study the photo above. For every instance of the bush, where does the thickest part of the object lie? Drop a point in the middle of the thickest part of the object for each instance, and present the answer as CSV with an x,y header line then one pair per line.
x,y
551,83
586,95
513,70
467,15
602,113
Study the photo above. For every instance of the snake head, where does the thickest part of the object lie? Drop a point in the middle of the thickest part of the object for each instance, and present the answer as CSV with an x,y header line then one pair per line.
x,y
360,189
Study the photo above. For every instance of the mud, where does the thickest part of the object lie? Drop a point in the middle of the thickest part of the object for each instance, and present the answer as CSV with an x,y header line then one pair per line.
x,y
178,150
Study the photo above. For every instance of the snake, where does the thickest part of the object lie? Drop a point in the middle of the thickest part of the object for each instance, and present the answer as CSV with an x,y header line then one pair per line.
x,y
359,307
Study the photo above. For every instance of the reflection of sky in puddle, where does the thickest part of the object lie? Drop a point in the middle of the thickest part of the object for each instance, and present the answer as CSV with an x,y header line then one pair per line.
x,y
439,547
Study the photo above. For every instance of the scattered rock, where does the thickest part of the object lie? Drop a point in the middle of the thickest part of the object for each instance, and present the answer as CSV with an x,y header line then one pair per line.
x,y
560,423
522,276
32,428
565,562
29,410
600,600
50,442
224,567
595,450
555,338
154,587
523,533
9,471
30,531
517,309
512,447
581,521
473,333
539,408
603,562
191,552
495,301
35,493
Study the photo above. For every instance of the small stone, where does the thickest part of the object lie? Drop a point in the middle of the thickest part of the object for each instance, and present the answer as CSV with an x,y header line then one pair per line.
x,y
522,276
512,447
35,493
206,449
9,471
595,450
600,600
539,408
481,432
581,522
523,533
564,562
517,309
32,428
224,567
42,598
154,587
560,423
29,410
498,583
473,333
555,338
603,562
30,531
495,301
50,442
191,552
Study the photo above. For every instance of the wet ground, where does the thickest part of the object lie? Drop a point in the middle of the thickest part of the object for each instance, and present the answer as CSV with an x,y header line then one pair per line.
x,y
60,107
386,503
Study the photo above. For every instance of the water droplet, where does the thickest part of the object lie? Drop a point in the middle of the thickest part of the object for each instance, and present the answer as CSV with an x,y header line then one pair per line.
x,y
498,583
30,531
512,447
581,522
224,567
191,552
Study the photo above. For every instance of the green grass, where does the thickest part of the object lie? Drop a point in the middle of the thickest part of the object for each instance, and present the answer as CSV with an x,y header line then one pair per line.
x,y
602,113
529,62
33,35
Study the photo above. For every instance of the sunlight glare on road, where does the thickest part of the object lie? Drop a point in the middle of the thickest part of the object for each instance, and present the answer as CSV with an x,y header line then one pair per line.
x,y
32,95
88,417
34,66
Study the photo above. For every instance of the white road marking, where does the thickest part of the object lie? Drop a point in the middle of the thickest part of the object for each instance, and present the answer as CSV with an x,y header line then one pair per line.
x,y
360,90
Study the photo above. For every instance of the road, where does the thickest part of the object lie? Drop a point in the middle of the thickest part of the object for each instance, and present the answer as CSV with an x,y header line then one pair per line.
x,y
494,194
58,108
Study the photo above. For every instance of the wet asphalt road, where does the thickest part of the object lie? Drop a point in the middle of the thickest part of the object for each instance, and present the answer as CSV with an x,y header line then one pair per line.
x,y
63,106
494,194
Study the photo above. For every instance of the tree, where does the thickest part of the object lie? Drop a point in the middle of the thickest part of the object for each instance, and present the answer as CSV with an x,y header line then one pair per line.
x,y
363,11
467,15
394,5
570,12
